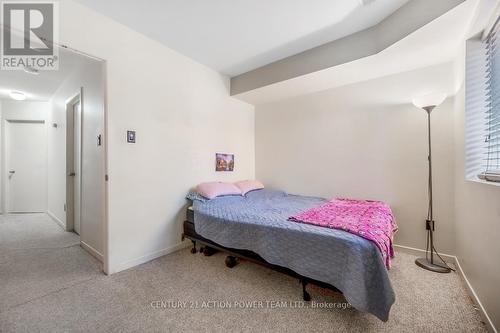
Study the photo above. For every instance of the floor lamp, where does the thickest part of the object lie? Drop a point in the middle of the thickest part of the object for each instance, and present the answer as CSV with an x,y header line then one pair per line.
x,y
428,103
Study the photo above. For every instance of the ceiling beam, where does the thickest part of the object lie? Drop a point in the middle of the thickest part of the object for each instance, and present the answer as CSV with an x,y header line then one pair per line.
x,y
407,19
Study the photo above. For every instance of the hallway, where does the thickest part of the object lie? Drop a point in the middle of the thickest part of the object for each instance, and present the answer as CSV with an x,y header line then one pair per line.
x,y
38,258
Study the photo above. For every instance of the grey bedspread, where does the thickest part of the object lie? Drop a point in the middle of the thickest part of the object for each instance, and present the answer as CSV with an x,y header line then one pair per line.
x,y
258,222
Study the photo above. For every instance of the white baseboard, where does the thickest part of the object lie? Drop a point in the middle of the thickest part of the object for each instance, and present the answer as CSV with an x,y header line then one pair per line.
x,y
148,257
96,254
419,252
484,315
57,220
453,259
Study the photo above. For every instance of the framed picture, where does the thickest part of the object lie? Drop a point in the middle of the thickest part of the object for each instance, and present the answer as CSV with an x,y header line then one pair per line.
x,y
224,162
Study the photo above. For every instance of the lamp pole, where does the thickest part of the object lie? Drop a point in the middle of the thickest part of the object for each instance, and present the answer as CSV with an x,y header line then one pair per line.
x,y
429,225
431,203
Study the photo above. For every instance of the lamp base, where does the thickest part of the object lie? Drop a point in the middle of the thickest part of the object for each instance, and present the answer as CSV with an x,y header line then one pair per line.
x,y
426,264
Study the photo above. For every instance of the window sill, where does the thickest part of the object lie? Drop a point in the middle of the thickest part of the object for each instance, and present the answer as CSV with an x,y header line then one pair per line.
x,y
480,181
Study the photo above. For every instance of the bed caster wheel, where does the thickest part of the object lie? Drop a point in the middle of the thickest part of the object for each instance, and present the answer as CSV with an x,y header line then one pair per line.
x,y
193,249
231,261
208,251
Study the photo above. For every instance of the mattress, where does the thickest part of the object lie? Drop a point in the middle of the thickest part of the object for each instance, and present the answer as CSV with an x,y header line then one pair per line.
x,y
258,222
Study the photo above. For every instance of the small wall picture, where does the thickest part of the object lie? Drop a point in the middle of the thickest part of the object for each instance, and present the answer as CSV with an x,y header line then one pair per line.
x,y
224,162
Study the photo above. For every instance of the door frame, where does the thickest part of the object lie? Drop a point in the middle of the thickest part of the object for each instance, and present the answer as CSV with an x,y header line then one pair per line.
x,y
105,227
70,158
5,174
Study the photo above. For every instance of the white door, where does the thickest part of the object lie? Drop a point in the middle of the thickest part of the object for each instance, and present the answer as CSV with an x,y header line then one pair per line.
x,y
77,166
26,163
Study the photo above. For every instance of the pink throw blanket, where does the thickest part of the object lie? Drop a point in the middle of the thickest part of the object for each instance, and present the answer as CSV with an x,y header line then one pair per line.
x,y
372,220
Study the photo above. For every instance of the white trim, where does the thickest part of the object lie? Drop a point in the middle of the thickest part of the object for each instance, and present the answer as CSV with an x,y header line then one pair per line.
x,y
96,254
472,294
480,181
475,299
418,252
148,257
57,220
71,199
105,228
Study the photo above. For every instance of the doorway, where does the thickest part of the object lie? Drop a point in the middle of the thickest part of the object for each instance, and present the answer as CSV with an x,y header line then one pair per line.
x,y
70,105
26,166
74,163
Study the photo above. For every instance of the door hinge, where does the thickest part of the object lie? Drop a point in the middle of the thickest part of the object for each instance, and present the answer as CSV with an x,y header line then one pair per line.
x,y
106,178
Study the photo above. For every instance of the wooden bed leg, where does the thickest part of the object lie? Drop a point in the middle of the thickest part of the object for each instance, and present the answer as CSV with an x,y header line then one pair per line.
x,y
193,250
305,294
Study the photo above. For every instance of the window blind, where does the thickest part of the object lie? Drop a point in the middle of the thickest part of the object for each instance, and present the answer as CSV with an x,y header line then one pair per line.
x,y
482,107
493,100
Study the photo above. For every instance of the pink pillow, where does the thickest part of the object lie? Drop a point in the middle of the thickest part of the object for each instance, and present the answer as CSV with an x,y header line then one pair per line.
x,y
216,189
249,185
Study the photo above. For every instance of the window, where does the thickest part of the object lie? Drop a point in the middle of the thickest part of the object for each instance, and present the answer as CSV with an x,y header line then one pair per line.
x,y
483,107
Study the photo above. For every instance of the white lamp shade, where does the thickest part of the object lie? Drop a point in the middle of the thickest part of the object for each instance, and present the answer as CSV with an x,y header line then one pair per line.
x,y
429,100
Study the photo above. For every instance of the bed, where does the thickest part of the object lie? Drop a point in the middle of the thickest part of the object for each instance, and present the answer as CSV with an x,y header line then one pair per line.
x,y
257,226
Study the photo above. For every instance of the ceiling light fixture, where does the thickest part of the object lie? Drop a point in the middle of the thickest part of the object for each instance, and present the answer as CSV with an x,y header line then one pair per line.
x,y
17,95
31,70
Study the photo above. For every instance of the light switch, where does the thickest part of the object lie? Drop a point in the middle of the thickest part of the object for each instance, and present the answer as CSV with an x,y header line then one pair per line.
x,y
131,136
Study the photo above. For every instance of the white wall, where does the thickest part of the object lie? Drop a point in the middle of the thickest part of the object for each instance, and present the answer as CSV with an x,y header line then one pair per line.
x,y
89,76
477,204
24,110
17,110
477,225
366,141
183,115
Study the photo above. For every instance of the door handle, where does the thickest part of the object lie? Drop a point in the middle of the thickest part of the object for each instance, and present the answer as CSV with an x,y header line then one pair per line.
x,y
12,172
72,174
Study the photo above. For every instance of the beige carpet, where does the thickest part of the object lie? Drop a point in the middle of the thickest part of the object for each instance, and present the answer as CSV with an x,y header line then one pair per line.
x,y
33,231
131,301
37,257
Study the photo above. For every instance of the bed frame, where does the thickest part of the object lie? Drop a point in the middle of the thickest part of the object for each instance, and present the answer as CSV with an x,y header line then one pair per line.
x,y
208,248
